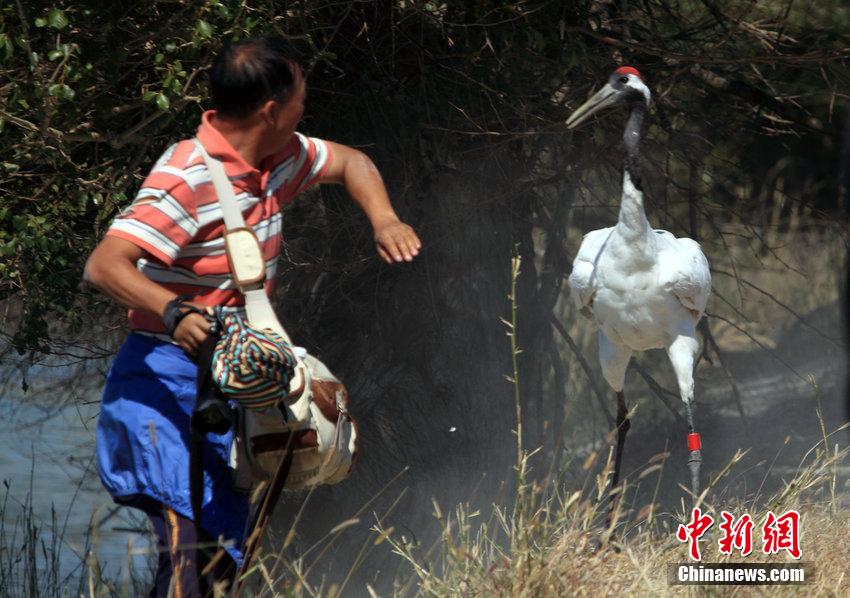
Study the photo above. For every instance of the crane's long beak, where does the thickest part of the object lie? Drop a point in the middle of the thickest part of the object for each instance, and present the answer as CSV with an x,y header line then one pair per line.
x,y
607,96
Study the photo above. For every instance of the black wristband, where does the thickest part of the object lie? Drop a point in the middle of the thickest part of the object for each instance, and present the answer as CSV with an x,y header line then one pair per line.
x,y
175,311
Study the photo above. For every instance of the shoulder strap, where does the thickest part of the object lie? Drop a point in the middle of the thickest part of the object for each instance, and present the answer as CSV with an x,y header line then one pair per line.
x,y
223,189
257,305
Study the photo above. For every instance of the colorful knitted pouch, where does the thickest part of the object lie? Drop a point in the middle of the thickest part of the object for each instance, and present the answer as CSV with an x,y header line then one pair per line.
x,y
251,366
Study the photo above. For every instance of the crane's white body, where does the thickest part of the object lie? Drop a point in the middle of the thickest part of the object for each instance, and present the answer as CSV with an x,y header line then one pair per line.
x,y
644,289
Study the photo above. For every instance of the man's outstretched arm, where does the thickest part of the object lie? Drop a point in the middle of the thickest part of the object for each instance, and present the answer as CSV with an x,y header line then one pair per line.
x,y
395,240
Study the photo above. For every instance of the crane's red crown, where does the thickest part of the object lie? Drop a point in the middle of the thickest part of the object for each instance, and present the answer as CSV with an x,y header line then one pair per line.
x,y
628,70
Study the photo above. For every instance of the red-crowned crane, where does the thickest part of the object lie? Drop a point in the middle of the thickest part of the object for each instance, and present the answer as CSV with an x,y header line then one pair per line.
x,y
642,288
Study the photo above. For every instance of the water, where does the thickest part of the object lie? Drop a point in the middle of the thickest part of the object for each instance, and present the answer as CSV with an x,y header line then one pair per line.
x,y
47,460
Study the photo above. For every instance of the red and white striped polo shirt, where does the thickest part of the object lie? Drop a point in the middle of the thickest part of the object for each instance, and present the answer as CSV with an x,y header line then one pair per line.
x,y
177,220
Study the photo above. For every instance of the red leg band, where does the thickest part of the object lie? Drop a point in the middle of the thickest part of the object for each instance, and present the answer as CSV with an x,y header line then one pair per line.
x,y
694,442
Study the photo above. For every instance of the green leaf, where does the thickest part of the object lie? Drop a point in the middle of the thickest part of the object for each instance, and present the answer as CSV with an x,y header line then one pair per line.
x,y
57,19
162,101
6,43
158,58
148,96
203,29
62,91
54,54
40,22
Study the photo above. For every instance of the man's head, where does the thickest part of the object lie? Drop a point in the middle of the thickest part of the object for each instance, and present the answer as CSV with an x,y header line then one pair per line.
x,y
255,80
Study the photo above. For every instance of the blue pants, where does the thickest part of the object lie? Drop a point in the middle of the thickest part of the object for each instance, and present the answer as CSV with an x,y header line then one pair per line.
x,y
143,439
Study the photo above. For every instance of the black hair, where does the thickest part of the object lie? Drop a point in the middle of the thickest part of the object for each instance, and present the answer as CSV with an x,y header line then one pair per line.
x,y
248,73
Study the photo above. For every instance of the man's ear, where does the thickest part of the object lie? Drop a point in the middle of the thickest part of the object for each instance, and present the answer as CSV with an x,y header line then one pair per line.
x,y
268,112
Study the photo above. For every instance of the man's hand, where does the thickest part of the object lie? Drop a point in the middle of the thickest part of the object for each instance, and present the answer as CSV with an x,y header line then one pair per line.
x,y
397,241
192,330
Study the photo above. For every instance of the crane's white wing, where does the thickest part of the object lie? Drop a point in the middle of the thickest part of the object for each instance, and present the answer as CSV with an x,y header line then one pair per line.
x,y
683,270
583,276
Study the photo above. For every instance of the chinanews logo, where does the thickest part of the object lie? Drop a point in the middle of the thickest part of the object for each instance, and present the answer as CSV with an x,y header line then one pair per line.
x,y
777,534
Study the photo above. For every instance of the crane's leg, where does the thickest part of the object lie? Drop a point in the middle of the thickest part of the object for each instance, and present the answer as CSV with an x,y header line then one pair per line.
x,y
623,426
682,352
614,359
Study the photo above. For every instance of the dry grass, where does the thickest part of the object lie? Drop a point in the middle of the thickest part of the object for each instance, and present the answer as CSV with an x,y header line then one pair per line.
x,y
555,544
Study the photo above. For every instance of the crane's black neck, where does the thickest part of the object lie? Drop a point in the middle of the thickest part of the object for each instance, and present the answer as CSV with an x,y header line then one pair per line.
x,y
632,223
631,139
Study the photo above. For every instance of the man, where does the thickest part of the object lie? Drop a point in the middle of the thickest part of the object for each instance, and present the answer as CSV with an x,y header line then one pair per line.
x,y
169,243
